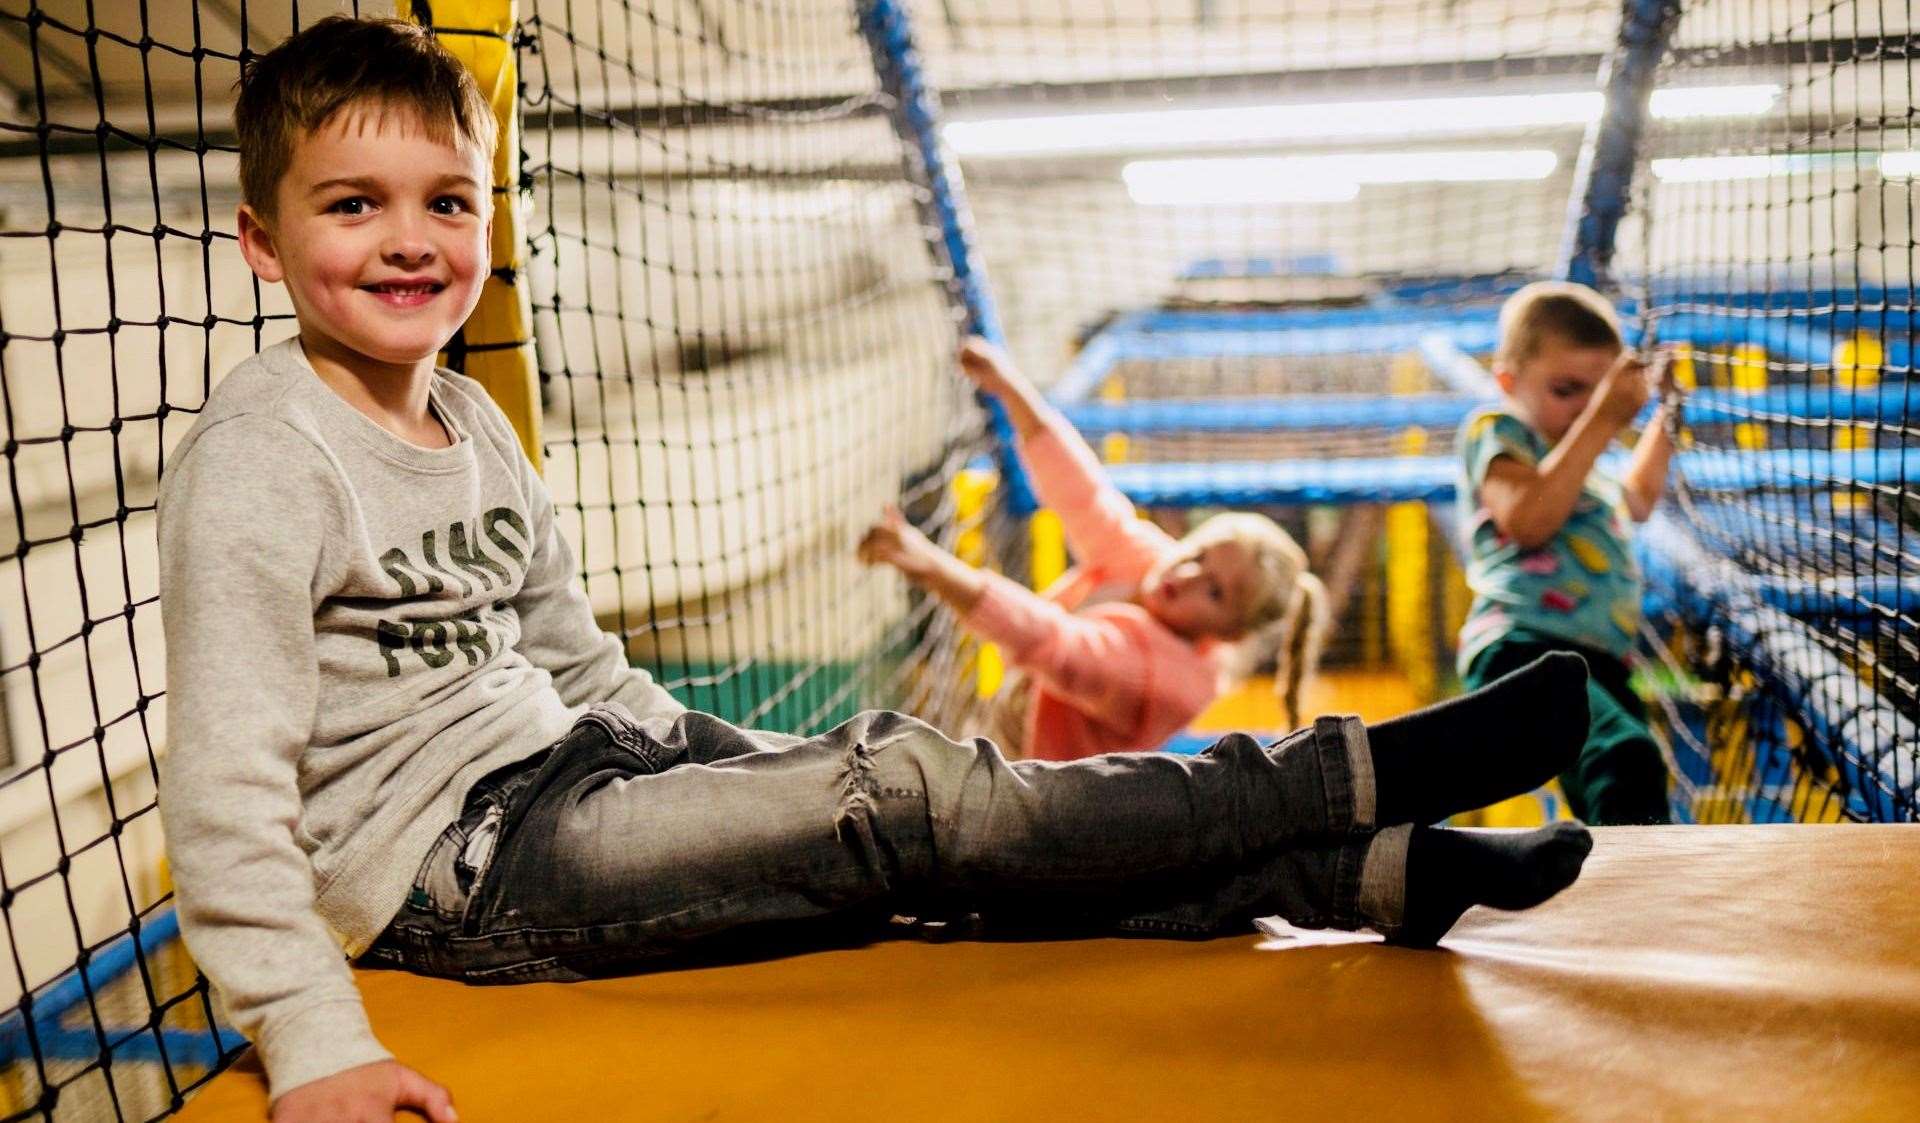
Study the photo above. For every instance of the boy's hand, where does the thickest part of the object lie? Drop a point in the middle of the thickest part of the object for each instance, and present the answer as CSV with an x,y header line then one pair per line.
x,y
1622,392
990,368
366,1094
894,541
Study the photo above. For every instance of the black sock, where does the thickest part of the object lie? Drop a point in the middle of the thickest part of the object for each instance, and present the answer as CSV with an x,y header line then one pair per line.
x,y
1450,871
1504,739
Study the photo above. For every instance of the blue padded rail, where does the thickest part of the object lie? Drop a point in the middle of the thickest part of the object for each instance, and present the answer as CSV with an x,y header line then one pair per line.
x,y
1735,470
1841,596
1895,402
1890,403
1255,415
1457,369
1163,336
49,1035
1431,479
1369,479
914,109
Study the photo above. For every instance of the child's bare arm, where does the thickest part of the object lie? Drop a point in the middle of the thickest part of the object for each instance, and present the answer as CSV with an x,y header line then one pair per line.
x,y
1646,478
1531,503
1100,523
1090,663
991,370
895,542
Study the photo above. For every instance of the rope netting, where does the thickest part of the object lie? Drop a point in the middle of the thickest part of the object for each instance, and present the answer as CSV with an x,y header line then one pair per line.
x,y
121,299
744,307
1780,246
744,350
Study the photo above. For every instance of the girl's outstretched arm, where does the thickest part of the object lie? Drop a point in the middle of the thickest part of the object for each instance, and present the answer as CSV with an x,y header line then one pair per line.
x,y
1091,663
894,541
1098,520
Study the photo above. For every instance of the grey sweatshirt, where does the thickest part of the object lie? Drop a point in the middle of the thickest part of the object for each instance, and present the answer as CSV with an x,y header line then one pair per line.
x,y
357,630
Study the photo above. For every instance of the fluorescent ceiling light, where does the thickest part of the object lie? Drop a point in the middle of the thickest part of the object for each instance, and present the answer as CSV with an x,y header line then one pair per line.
x,y
1224,126
1712,101
1331,178
1900,165
1707,169
1205,183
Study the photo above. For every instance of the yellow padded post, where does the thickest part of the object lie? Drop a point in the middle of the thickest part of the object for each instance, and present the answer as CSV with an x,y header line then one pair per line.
x,y
1749,372
1857,362
1047,548
498,337
972,487
1410,638
1114,447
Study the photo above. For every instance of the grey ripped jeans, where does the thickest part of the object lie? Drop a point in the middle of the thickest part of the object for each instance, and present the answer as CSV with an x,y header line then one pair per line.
x,y
627,844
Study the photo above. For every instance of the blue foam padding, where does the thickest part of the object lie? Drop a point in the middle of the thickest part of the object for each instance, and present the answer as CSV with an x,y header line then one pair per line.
x,y
1877,747
1735,470
1179,321
1841,596
1383,338
1163,336
1791,525
1190,743
1794,334
1242,415
51,1004
1431,479
1895,402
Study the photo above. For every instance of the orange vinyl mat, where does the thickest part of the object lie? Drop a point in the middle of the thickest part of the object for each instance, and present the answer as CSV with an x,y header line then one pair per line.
x,y
1694,973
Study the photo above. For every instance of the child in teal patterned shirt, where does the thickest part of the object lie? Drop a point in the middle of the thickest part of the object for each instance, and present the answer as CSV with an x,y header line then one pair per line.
x,y
1549,564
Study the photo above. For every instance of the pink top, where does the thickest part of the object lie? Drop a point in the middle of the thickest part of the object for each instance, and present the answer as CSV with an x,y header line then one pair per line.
x,y
1109,677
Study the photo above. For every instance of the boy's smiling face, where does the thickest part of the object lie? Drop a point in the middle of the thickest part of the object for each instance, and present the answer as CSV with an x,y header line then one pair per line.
x,y
1553,386
381,234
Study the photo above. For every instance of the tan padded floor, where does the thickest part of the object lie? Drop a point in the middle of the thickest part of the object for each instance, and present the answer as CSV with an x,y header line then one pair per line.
x,y
1694,973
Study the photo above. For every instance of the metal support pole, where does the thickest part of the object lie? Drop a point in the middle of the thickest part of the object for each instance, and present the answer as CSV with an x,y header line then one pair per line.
x,y
1604,174
915,110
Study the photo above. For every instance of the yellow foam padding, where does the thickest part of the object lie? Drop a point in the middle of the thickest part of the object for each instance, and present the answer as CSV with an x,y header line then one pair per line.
x,y
1748,367
1410,638
1685,374
1858,359
1047,548
1694,973
989,670
501,324
1252,705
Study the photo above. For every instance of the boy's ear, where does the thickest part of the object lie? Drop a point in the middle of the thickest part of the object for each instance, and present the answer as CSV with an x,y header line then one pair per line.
x,y
1501,375
256,246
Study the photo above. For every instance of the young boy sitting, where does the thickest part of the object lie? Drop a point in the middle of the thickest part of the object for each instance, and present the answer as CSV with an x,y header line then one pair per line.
x,y
1550,568
395,730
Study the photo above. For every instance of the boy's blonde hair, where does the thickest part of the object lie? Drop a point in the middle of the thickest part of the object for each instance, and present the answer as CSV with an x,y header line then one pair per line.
x,y
338,62
1285,612
1564,310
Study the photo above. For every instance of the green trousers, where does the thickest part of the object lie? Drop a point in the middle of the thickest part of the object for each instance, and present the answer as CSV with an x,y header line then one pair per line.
x,y
1620,777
